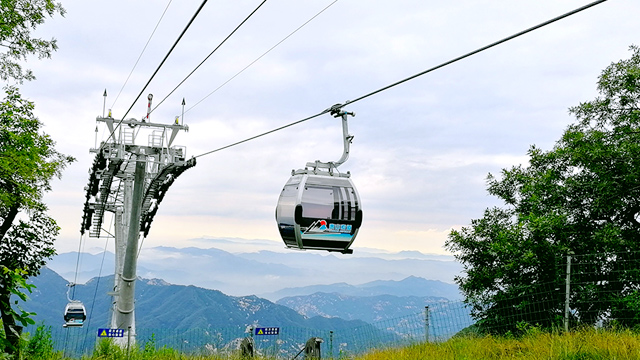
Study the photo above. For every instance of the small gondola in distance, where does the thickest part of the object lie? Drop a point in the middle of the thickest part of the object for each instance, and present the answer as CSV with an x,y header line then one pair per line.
x,y
74,314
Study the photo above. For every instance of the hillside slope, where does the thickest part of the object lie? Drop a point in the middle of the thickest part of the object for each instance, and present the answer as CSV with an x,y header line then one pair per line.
x,y
163,305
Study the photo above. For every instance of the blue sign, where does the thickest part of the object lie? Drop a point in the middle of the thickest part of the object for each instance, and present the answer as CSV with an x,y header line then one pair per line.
x,y
268,331
110,332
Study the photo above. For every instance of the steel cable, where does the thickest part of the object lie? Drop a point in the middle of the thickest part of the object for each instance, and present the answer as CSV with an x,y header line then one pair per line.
x,y
565,15
208,56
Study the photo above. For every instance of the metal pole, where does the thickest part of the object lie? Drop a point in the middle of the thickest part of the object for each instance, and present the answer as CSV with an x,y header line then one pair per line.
x,y
331,343
122,229
567,294
129,344
125,303
104,102
426,323
150,97
183,104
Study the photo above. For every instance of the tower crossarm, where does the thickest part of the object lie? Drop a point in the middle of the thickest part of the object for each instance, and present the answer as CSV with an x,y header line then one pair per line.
x,y
157,190
102,172
99,163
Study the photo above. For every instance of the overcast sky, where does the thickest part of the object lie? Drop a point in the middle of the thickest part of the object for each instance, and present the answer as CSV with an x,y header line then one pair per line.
x,y
421,151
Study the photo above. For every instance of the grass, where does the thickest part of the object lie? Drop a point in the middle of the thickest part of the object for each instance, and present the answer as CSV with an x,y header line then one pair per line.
x,y
585,344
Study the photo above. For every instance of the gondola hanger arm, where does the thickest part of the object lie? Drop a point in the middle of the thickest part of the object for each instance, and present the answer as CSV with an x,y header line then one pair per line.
x,y
336,111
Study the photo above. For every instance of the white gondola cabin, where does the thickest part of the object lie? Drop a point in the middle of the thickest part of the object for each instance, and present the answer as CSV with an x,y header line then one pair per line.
x,y
74,314
319,212
319,208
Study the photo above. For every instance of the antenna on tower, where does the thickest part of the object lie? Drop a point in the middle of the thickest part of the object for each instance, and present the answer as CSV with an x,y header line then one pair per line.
x,y
183,104
104,103
150,97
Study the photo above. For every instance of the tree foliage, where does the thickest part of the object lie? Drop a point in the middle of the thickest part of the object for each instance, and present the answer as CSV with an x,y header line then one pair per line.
x,y
17,19
28,163
582,197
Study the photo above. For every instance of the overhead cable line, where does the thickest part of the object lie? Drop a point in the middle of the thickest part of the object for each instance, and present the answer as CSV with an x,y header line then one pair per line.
x,y
158,68
348,102
263,134
480,49
75,277
261,56
142,52
95,292
211,53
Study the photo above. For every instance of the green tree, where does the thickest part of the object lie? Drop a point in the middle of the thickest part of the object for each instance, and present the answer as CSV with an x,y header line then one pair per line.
x,y
582,197
17,19
28,163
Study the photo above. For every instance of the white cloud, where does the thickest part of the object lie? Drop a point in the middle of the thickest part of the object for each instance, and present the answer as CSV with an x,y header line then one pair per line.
x,y
421,150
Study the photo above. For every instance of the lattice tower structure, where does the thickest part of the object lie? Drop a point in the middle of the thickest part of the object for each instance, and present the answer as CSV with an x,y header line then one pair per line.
x,y
130,179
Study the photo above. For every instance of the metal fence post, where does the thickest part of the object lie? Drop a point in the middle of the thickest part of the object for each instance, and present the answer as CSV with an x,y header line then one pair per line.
x,y
331,343
129,343
567,293
426,323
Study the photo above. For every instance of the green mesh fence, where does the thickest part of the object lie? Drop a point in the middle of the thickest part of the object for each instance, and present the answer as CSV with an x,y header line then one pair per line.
x,y
444,320
598,290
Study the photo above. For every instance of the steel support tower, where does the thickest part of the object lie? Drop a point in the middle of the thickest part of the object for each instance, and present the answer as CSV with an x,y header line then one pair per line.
x,y
130,179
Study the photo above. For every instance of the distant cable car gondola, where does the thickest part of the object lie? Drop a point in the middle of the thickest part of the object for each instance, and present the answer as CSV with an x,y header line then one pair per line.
x,y
74,313
319,208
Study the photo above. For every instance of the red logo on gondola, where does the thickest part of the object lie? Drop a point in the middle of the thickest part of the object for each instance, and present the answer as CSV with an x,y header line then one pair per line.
x,y
323,225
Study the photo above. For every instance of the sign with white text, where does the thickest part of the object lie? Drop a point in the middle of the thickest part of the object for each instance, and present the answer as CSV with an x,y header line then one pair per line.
x,y
267,331
110,332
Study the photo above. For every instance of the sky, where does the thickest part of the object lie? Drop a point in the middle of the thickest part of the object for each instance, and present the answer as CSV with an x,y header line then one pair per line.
x,y
421,151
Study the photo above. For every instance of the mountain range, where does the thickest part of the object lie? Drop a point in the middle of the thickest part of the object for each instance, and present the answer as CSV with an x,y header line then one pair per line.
x,y
368,307
266,273
411,286
156,306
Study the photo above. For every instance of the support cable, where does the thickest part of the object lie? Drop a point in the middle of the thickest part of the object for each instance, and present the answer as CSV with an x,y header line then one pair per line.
x,y
263,134
142,52
339,106
75,278
208,56
261,56
480,49
158,68
95,293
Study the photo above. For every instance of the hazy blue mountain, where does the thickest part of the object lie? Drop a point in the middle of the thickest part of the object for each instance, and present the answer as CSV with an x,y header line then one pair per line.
x,y
163,305
190,317
90,266
410,286
400,314
264,272
368,308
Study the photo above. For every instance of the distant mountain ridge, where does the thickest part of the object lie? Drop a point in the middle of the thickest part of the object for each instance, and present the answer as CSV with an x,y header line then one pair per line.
x,y
410,286
386,312
263,272
157,306
367,308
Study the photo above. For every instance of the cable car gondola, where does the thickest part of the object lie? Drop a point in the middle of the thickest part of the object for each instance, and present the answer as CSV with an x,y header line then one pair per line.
x,y
319,208
74,313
